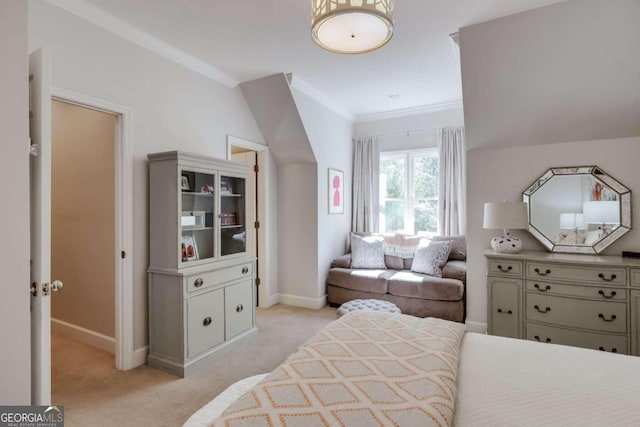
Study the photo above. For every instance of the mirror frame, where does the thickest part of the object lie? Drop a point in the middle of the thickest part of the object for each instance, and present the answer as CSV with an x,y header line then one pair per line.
x,y
624,198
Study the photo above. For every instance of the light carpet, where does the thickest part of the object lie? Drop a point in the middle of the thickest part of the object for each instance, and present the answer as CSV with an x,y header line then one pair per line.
x,y
94,393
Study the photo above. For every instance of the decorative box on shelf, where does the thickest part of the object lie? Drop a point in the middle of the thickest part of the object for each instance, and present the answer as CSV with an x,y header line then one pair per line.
x,y
193,219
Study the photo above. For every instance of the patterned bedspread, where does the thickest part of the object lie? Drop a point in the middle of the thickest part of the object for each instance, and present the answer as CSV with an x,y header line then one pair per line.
x,y
365,369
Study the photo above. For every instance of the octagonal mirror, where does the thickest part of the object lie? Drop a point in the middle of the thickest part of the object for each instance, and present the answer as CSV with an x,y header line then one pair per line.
x,y
578,209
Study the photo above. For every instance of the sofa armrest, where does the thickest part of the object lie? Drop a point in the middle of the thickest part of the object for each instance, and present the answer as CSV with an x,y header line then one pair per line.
x,y
343,261
455,270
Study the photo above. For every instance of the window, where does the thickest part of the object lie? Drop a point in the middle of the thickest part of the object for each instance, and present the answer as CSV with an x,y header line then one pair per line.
x,y
409,192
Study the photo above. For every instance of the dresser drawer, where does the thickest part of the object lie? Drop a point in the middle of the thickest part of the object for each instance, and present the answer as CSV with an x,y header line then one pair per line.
x,y
603,342
635,277
548,271
238,300
585,291
205,320
606,316
511,268
217,277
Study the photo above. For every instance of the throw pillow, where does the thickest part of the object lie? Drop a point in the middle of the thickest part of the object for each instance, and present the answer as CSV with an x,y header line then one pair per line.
x,y
458,246
367,252
430,259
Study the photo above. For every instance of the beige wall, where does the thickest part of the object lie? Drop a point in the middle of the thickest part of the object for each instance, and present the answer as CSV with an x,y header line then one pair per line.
x,y
82,216
15,368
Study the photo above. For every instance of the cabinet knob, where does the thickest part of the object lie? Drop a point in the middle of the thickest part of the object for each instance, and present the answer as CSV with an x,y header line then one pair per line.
x,y
537,337
245,269
505,270
610,279
207,321
239,308
199,282
502,311
613,350
546,288
610,319
546,310
540,273
610,296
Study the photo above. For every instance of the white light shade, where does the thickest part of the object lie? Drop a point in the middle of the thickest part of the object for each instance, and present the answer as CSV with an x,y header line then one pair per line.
x,y
351,26
601,212
569,221
506,215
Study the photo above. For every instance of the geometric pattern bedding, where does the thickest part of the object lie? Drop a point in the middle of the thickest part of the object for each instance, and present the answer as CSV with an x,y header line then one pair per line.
x,y
365,369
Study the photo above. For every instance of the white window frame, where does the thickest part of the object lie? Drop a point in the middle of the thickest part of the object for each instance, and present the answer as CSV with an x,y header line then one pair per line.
x,y
409,199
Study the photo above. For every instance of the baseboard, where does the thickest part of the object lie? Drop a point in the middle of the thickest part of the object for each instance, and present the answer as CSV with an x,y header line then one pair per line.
x,y
84,335
313,303
140,356
271,300
478,327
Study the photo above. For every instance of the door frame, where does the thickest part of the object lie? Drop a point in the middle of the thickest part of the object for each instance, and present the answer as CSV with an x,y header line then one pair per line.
x,y
267,229
124,352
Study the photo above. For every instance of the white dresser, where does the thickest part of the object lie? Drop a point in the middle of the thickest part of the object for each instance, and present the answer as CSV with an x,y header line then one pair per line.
x,y
579,300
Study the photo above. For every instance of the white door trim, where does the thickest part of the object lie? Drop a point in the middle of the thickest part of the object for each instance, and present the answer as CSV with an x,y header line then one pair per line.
x,y
125,357
265,232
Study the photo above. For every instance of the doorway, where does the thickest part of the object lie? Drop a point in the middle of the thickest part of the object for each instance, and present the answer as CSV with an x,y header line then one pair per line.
x,y
83,206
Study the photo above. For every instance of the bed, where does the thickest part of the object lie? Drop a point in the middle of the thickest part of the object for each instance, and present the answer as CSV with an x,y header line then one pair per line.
x,y
370,368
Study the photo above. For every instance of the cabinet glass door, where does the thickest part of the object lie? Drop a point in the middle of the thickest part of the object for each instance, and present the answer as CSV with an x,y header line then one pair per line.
x,y
196,220
233,232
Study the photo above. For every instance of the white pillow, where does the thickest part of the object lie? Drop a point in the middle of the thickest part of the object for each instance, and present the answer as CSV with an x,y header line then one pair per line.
x,y
430,259
367,251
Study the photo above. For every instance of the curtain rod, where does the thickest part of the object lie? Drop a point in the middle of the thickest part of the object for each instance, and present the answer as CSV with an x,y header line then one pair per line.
x,y
408,132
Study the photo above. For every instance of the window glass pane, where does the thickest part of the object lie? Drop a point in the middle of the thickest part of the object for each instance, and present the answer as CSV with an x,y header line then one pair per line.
x,y
425,176
392,216
425,214
392,177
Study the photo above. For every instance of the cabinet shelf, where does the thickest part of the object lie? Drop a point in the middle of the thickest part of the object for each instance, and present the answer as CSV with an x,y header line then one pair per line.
x,y
193,193
186,228
231,195
232,226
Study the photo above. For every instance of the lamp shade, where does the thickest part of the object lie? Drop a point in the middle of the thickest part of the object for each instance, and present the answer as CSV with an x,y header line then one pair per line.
x,y
569,221
506,215
601,212
351,26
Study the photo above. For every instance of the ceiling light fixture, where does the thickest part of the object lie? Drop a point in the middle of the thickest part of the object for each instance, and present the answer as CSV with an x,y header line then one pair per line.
x,y
351,26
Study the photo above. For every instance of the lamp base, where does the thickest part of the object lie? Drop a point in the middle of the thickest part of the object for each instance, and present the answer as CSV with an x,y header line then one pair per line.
x,y
506,244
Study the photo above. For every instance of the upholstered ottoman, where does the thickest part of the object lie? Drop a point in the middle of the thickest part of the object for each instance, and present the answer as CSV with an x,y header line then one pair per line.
x,y
367,304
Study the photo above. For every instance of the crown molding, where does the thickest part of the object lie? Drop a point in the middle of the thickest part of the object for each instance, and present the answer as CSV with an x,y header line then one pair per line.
x,y
303,87
112,23
423,109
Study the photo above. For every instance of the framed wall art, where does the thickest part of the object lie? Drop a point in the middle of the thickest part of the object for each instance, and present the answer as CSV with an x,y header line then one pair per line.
x,y
336,191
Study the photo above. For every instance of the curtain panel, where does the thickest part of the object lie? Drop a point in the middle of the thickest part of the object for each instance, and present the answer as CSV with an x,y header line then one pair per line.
x,y
452,203
366,175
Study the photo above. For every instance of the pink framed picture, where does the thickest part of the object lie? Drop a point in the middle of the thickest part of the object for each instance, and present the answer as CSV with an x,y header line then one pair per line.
x,y
336,191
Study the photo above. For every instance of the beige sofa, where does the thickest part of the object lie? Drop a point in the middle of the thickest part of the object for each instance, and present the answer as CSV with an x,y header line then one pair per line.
x,y
416,294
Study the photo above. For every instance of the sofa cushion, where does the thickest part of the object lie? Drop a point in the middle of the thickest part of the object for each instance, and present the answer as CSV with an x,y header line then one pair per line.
x,y
394,262
343,261
360,280
423,286
458,246
367,252
430,259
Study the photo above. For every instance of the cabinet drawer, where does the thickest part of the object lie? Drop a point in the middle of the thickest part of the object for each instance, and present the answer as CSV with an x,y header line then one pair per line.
x,y
595,341
218,277
238,309
511,268
635,277
205,318
608,275
604,316
585,291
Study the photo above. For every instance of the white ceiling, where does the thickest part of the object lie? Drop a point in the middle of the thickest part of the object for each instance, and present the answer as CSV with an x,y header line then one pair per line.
x,y
249,39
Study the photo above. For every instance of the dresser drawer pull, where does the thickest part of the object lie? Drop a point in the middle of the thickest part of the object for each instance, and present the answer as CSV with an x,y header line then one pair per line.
x,y
199,282
547,272
613,276
546,310
207,321
245,269
613,294
239,308
547,340
505,270
611,319
613,350
546,288
505,312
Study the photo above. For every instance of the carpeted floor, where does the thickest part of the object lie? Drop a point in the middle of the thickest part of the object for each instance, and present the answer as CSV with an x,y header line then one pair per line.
x,y
94,393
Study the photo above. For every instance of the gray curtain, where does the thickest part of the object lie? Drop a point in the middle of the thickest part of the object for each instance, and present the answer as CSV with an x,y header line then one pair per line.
x,y
452,203
366,160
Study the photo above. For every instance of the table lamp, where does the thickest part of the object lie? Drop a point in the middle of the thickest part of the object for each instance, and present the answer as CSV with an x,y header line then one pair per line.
x,y
506,215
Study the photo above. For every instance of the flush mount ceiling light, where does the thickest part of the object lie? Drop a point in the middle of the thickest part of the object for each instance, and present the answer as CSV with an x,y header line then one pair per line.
x,y
351,26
